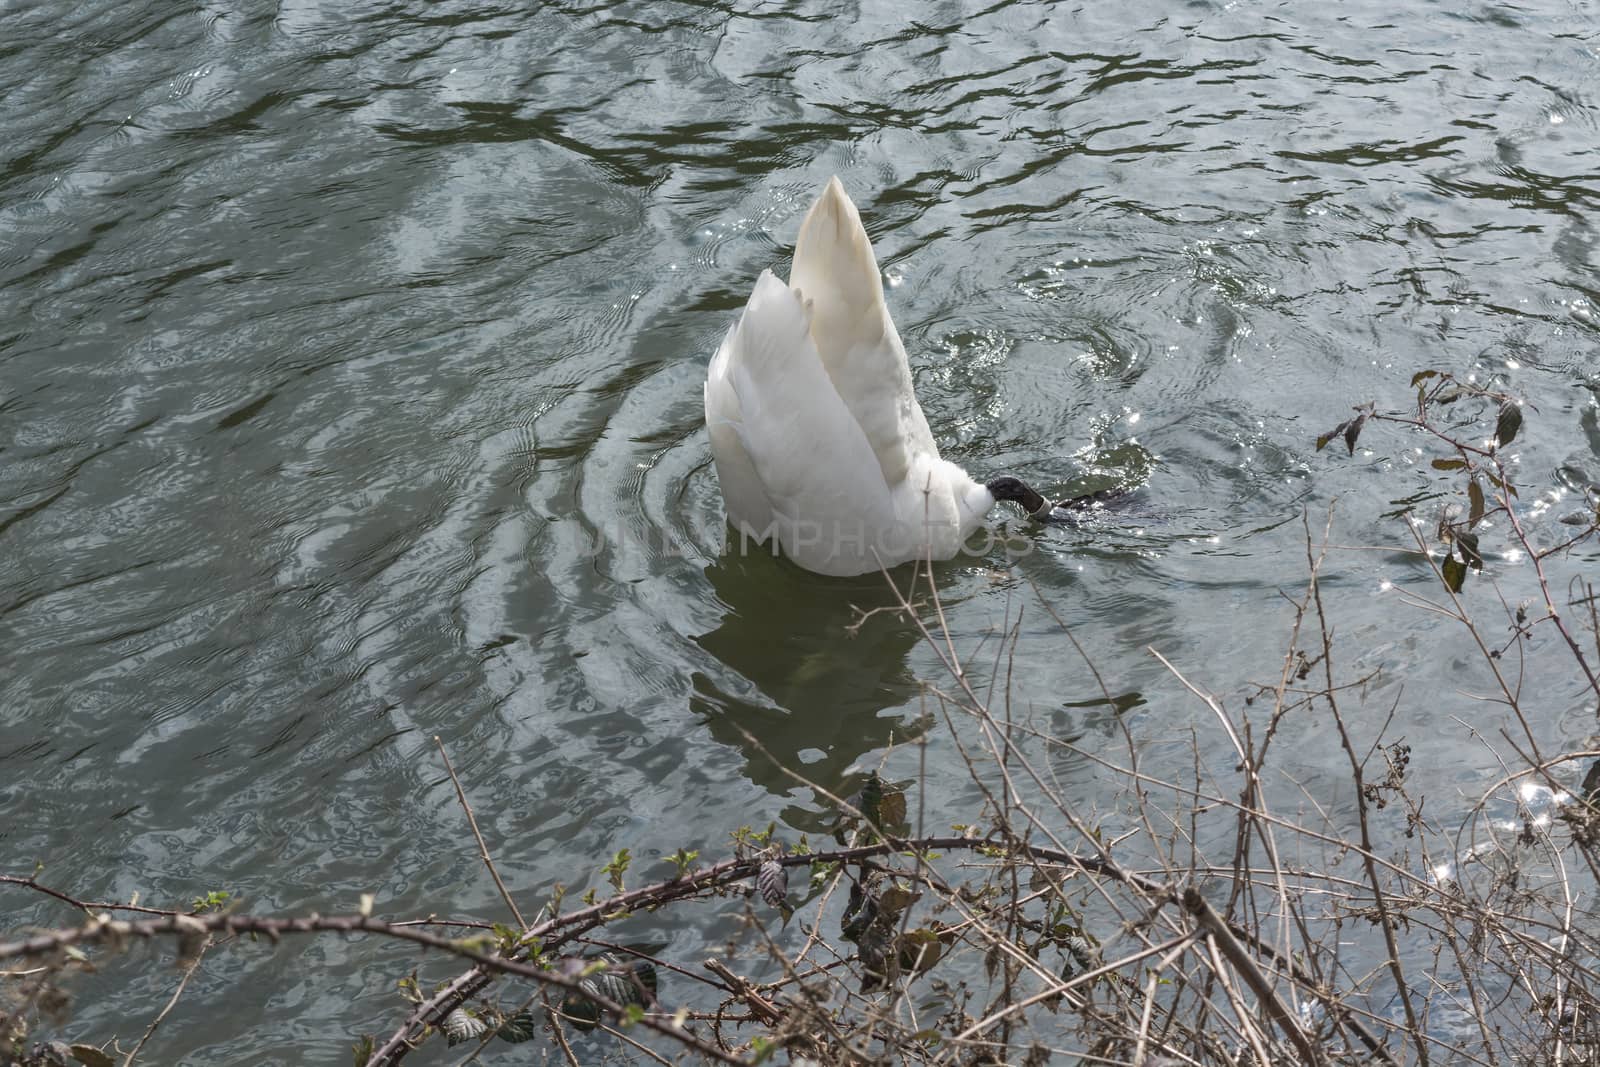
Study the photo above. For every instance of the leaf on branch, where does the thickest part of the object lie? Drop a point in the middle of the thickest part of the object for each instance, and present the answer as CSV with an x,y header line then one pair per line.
x,y
628,982
772,880
518,1028
858,913
361,1052
1455,573
1474,503
1509,422
617,868
879,954
870,799
507,938
1449,464
1350,429
1353,431
895,900
1467,544
91,1056
1502,484
1323,439
1082,955
580,1012
1422,376
461,1025
920,949
1591,785
892,810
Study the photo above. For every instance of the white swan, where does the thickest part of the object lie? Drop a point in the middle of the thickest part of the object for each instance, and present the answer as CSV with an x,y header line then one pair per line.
x,y
818,438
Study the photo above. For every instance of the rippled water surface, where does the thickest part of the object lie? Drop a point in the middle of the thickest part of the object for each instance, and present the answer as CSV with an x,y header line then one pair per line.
x,y
350,367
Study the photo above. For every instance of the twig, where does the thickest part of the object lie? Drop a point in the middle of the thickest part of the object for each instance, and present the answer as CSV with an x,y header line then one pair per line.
x,y
483,849
1219,934
118,932
188,972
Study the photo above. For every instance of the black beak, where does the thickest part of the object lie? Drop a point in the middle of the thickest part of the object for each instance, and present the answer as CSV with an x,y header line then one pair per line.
x,y
1020,492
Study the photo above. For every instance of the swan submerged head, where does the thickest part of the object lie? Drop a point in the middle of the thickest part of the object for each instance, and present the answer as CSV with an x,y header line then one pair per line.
x,y
819,442
1007,487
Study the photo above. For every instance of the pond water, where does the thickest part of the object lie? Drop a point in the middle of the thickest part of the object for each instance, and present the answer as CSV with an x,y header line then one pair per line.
x,y
350,394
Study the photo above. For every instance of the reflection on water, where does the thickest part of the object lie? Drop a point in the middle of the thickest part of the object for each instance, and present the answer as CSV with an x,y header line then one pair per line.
x,y
818,662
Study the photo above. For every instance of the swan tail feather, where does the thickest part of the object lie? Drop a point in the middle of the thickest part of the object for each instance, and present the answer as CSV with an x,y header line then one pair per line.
x,y
836,274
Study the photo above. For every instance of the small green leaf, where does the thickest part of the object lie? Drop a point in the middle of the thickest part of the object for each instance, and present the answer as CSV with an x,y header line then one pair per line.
x,y
1449,464
1474,503
682,860
617,868
1455,573
1509,422
212,901
361,1052
1422,376
507,937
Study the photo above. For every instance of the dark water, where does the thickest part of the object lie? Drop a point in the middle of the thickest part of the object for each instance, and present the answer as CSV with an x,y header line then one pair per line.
x,y
350,364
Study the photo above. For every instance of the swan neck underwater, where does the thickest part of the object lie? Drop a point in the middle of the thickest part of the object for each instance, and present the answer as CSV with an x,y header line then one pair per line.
x,y
819,443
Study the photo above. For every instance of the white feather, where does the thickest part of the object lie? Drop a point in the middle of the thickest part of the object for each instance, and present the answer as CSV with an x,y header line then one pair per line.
x,y
818,438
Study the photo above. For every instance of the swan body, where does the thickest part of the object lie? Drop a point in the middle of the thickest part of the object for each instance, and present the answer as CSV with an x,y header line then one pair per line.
x,y
819,442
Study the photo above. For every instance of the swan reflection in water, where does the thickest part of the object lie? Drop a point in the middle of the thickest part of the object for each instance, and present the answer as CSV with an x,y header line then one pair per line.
x,y
809,677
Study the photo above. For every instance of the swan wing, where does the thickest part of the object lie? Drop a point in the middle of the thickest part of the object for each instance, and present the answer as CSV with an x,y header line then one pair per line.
x,y
836,275
779,428
742,492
